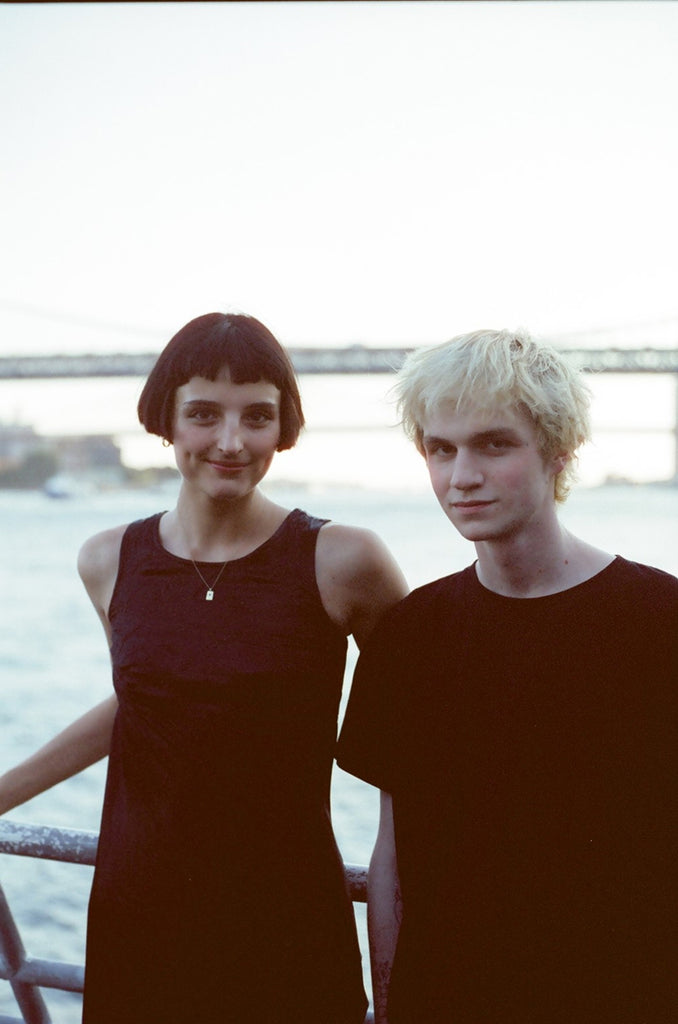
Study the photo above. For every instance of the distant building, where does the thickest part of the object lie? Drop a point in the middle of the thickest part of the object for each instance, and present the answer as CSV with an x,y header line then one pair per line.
x,y
16,443
90,451
28,459
94,457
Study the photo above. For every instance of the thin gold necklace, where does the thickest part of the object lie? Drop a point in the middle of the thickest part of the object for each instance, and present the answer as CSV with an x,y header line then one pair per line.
x,y
209,593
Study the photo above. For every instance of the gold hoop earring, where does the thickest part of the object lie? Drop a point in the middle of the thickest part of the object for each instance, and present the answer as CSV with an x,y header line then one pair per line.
x,y
166,443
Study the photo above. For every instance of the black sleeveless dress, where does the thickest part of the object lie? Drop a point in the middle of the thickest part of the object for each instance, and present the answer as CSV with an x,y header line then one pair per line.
x,y
218,895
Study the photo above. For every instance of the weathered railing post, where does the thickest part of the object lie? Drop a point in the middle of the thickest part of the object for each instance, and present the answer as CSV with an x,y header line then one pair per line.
x,y
13,961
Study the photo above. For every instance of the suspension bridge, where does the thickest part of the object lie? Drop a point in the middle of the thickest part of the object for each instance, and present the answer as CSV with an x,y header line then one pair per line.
x,y
348,359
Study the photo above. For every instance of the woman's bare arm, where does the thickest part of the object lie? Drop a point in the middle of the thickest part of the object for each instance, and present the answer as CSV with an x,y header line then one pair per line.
x,y
88,739
77,747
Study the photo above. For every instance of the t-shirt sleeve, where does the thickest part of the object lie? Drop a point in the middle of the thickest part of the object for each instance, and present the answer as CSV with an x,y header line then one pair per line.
x,y
371,736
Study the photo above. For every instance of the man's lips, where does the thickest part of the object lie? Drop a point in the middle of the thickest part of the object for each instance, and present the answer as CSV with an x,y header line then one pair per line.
x,y
466,506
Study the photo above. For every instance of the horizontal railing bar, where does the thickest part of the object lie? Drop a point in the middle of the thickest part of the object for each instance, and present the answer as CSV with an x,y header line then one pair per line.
x,y
72,846
45,842
46,973
356,881
79,846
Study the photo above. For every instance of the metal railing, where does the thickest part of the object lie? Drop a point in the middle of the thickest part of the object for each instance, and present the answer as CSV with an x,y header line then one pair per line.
x,y
27,975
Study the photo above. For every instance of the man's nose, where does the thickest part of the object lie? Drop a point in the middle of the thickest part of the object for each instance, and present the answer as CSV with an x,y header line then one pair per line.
x,y
466,472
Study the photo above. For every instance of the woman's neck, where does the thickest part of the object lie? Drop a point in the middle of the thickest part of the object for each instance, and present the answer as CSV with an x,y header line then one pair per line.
x,y
209,531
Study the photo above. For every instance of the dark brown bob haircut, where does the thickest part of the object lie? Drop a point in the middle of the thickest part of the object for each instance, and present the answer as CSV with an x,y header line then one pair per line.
x,y
202,349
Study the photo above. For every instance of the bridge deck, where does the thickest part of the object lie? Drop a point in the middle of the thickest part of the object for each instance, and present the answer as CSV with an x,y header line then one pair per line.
x,y
350,359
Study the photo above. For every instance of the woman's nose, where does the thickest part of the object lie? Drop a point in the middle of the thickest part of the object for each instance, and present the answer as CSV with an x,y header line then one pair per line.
x,y
229,438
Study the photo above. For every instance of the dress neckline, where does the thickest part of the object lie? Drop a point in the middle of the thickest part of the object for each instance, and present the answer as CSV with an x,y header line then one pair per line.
x,y
157,540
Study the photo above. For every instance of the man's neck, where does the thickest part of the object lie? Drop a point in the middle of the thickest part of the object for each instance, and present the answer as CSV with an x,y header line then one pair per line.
x,y
523,569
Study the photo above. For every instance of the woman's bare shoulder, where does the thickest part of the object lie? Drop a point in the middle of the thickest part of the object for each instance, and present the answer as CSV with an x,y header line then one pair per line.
x,y
358,577
99,556
354,549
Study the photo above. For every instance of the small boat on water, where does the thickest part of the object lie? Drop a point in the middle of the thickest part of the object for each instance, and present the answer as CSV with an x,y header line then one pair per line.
x,y
58,486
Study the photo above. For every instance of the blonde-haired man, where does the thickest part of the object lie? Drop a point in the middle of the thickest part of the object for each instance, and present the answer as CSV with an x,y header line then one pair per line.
x,y
520,719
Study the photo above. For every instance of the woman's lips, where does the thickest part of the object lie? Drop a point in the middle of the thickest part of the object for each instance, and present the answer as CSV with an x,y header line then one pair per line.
x,y
227,467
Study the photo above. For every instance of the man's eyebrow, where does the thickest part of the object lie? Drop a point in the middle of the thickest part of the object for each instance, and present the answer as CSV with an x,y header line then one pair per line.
x,y
432,439
479,437
489,435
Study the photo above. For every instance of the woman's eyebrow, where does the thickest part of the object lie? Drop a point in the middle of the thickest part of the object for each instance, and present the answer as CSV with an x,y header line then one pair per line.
x,y
212,403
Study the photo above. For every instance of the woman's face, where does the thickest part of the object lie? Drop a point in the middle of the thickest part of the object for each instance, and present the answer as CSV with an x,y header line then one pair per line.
x,y
225,434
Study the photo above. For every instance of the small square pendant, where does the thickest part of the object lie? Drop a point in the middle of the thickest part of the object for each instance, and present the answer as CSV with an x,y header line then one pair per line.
x,y
209,595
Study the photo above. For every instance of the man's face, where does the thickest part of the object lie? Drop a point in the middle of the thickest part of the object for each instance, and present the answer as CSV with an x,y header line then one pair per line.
x,y
488,473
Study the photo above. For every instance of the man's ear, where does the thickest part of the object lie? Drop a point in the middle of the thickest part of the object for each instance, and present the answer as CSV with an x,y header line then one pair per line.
x,y
559,462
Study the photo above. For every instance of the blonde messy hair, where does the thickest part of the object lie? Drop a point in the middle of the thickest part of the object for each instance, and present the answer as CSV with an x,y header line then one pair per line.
x,y
488,369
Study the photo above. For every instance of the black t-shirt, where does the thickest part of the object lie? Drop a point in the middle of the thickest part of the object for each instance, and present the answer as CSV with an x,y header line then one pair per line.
x,y
530,748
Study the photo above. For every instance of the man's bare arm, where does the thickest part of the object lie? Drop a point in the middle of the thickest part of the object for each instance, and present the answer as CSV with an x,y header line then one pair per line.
x,y
384,909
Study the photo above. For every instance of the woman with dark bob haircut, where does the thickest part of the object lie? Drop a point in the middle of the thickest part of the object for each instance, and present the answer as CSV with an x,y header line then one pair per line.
x,y
219,894
201,349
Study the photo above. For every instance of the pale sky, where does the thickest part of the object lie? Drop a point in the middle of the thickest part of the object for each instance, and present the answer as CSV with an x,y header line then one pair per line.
x,y
385,173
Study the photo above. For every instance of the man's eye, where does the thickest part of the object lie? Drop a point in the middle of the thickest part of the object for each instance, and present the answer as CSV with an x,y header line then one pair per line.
x,y
441,450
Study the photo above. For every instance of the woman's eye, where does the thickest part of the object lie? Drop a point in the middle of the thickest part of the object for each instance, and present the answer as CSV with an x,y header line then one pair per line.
x,y
201,415
259,419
